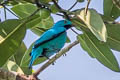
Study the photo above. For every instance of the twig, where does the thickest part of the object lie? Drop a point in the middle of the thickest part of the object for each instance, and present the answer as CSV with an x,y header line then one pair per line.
x,y
53,59
86,9
5,14
61,10
60,15
9,10
39,5
72,6
111,22
34,12
74,31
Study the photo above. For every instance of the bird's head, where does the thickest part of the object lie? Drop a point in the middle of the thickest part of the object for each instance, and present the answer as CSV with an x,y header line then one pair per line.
x,y
64,23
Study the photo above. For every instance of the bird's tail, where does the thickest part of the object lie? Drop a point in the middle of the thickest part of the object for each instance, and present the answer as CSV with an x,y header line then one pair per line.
x,y
35,55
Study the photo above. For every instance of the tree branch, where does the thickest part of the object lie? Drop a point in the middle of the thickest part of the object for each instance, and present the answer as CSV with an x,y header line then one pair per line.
x,y
74,31
4,75
73,6
9,10
61,10
53,59
59,15
5,15
10,75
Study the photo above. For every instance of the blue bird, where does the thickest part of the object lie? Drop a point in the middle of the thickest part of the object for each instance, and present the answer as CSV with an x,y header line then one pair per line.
x,y
50,41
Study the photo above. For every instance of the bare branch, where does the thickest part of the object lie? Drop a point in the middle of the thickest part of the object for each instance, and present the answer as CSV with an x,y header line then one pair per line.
x,y
72,6
60,15
5,15
4,75
61,10
9,10
74,31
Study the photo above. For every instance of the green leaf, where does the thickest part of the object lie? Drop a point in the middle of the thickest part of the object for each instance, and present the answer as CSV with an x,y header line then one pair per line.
x,y
16,2
115,13
38,31
44,13
108,5
100,50
94,22
80,0
44,25
107,18
12,66
35,21
113,36
26,70
26,58
12,33
24,10
30,1
116,3
19,54
13,2
46,22
78,23
54,9
40,19
110,9
84,45
45,1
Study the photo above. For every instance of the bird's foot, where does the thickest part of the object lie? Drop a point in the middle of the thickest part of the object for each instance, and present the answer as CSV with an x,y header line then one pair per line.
x,y
53,63
65,54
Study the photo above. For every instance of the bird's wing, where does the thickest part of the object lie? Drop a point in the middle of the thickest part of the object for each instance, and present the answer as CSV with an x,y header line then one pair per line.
x,y
47,36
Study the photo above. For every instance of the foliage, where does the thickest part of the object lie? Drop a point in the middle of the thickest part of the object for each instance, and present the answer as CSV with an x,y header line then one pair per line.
x,y
99,35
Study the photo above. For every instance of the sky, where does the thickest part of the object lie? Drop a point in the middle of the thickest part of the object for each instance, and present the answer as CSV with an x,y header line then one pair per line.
x,y
77,65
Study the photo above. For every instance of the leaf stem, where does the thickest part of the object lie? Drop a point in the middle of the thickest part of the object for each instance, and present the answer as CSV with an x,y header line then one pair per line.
x,y
86,9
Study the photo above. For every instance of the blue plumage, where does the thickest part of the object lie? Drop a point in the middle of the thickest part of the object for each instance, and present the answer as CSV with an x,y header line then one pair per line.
x,y
50,41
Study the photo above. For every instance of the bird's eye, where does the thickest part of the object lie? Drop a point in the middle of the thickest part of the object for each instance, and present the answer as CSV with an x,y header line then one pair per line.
x,y
65,21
